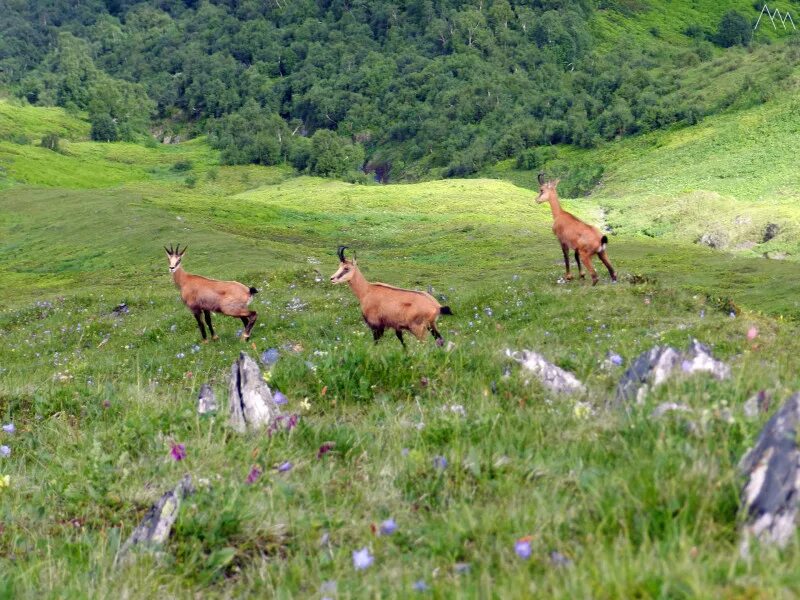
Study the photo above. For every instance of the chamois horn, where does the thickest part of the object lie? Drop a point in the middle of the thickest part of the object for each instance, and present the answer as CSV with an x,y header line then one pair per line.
x,y
541,178
340,252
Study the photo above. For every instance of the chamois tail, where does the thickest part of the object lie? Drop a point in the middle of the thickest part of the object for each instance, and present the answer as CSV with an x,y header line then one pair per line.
x,y
603,242
253,291
445,310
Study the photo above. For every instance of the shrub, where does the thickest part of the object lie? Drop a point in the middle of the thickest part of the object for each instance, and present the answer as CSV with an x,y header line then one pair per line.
x,y
182,166
733,29
51,141
104,128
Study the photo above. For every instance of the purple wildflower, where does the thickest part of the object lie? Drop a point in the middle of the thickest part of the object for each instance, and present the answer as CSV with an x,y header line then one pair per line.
x,y
9,428
440,462
420,586
615,359
269,357
404,452
388,527
462,567
291,422
523,548
178,452
362,559
325,448
253,475
287,466
279,397
5,451
686,366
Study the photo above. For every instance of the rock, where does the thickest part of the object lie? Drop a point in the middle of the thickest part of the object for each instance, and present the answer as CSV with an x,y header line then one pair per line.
x,y
121,309
755,404
207,400
552,377
660,363
156,526
772,468
770,231
712,239
666,407
251,402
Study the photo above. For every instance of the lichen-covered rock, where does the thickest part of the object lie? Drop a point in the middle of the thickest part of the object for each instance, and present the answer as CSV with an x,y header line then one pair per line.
x,y
157,524
657,365
207,400
251,402
552,377
772,468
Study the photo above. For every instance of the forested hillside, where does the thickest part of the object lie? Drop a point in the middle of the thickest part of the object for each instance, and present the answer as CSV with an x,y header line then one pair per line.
x,y
413,89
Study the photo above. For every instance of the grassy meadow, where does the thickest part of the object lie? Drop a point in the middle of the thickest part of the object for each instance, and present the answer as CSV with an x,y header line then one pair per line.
x,y
465,452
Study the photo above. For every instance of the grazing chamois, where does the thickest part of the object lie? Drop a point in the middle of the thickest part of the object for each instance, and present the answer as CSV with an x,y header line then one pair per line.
x,y
204,296
385,306
574,234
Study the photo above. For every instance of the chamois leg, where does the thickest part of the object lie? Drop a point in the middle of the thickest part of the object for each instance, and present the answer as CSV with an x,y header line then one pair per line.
x,y
207,314
399,335
604,257
200,325
578,262
565,250
377,333
436,335
251,320
586,258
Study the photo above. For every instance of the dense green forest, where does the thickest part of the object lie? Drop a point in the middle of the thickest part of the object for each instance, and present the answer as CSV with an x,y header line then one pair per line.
x,y
411,89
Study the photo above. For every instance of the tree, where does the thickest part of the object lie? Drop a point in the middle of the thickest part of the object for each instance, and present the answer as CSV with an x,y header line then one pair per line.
x,y
332,155
733,29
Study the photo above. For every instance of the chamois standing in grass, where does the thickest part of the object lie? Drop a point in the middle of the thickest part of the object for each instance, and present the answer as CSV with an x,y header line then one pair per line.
x,y
574,234
385,306
204,296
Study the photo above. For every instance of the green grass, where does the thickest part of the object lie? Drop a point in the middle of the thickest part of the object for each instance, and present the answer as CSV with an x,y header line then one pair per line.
x,y
642,508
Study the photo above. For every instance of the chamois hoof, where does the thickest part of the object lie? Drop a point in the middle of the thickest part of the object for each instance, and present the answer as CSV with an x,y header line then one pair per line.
x,y
440,342
215,337
204,341
594,281
568,277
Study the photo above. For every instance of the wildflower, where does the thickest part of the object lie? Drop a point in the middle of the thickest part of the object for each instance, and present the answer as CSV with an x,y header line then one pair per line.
x,y
388,527
269,357
523,547
254,474
178,452
559,560
462,567
362,559
287,466
440,462
5,481
9,428
615,359
581,410
180,355
5,451
305,404
279,397
325,448
752,333
291,422
404,451
420,586
267,376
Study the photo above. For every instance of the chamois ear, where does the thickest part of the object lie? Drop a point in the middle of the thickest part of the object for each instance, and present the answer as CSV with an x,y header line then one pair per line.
x,y
355,257
555,182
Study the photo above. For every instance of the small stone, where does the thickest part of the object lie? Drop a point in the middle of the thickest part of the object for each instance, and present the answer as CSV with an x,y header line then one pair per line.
x,y
206,400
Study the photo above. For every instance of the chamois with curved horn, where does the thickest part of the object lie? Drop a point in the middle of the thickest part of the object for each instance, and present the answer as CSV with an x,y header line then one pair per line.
x,y
574,234
202,295
387,307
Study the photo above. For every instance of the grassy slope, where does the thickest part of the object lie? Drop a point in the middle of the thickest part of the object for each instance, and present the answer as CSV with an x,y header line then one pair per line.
x,y
642,508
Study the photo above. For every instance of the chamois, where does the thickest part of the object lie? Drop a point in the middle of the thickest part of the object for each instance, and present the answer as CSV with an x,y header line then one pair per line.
x,y
385,306
203,295
574,234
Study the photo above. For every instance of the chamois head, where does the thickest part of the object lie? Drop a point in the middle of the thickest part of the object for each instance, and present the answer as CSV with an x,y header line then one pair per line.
x,y
547,190
347,267
175,256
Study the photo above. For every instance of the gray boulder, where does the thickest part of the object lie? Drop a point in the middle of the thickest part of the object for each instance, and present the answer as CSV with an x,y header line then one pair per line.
x,y
157,524
251,402
657,365
207,400
552,377
771,491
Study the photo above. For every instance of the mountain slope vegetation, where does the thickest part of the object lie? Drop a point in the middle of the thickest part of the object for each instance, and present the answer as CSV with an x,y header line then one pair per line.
x,y
428,88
